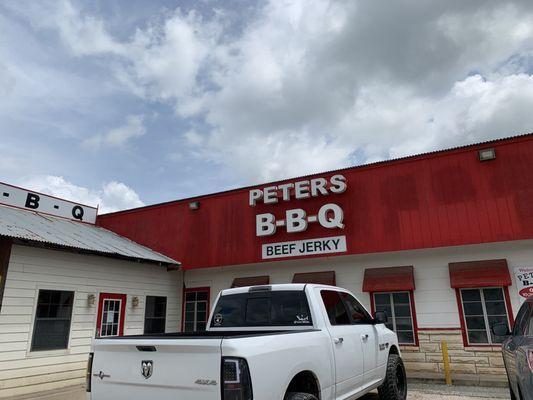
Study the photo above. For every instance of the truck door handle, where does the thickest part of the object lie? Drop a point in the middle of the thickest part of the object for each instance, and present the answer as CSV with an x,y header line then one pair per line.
x,y
364,337
338,340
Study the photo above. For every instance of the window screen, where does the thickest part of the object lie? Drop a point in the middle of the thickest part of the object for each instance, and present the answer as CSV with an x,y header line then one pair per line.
x,y
272,308
483,308
52,320
155,314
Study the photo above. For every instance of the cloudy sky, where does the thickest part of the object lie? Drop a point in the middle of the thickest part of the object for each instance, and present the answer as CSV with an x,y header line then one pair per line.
x,y
133,102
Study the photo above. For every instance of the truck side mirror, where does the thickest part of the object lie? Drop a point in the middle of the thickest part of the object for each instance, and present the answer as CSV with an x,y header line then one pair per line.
x,y
380,317
500,329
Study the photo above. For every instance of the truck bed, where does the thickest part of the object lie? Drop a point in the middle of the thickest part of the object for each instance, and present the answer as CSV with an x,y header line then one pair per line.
x,y
180,362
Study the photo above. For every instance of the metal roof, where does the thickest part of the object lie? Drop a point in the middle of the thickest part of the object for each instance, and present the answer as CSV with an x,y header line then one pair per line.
x,y
60,232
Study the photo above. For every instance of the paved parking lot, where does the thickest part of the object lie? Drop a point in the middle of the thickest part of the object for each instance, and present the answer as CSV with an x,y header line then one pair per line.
x,y
416,392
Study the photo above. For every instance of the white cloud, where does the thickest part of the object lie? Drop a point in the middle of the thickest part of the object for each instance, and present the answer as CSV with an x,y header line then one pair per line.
x,y
161,61
316,85
116,137
118,196
309,85
194,138
84,34
112,196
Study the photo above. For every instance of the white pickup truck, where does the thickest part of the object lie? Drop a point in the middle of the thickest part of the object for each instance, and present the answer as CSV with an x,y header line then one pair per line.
x,y
282,342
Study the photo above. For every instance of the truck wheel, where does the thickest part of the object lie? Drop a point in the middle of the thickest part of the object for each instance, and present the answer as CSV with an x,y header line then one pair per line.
x,y
299,396
395,385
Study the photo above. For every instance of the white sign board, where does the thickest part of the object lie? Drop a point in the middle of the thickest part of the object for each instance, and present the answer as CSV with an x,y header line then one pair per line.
x,y
327,245
524,282
43,203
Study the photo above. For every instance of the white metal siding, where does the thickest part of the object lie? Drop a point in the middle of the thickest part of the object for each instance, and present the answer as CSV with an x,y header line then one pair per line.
x,y
31,269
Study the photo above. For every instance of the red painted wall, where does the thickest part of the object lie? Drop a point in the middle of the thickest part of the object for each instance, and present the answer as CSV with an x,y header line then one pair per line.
x,y
441,199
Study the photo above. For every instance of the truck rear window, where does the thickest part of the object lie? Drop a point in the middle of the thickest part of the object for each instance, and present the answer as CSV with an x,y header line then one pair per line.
x,y
272,308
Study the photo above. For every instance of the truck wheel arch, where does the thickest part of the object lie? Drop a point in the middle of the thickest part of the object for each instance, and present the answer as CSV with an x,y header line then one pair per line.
x,y
304,382
394,350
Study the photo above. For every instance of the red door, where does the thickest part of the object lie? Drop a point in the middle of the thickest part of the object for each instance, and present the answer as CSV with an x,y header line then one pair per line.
x,y
111,312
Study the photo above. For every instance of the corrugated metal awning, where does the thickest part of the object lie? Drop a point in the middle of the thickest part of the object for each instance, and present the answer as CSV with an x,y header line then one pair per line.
x,y
475,274
321,278
251,281
59,232
389,279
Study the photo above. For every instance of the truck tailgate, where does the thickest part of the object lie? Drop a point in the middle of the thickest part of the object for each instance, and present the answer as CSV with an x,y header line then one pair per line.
x,y
190,367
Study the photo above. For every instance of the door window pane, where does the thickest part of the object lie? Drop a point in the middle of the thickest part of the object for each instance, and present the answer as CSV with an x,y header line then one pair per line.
x,y
335,308
397,306
110,324
155,314
356,311
482,309
196,310
52,320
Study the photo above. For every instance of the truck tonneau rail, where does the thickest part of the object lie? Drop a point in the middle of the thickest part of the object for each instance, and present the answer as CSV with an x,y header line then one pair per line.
x,y
211,334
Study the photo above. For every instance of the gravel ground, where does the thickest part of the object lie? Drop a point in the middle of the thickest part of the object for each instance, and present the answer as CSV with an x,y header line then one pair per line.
x,y
416,392
419,391
464,392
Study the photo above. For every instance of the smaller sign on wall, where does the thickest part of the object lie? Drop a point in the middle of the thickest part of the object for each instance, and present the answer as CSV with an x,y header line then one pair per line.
x,y
524,282
327,245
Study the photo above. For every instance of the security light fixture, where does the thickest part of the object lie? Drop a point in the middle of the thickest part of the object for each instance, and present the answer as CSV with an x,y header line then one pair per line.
x,y
486,154
135,302
194,205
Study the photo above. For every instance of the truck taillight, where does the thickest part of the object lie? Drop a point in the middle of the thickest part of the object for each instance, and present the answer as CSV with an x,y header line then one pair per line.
x,y
89,372
530,359
236,382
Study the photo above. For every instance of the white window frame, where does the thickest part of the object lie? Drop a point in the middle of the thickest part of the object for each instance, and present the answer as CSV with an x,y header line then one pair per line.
x,y
119,317
195,302
30,353
144,312
393,316
485,315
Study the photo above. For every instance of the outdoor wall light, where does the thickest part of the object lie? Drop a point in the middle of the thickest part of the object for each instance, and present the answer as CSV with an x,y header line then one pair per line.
x,y
91,299
194,205
135,302
486,154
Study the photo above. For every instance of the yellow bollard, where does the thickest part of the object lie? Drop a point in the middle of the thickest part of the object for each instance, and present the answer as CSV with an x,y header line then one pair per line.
x,y
446,360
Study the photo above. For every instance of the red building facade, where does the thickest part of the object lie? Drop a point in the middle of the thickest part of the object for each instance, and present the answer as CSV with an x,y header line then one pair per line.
x,y
446,198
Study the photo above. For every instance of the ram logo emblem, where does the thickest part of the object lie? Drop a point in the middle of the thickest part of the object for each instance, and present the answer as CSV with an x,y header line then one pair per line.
x,y
147,367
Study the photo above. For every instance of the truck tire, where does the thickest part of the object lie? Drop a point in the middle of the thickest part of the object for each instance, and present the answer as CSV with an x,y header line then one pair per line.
x,y
395,385
299,396
511,391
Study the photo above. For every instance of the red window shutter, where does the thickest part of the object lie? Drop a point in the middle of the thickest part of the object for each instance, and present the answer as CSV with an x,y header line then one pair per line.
x,y
474,274
251,281
391,279
322,278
